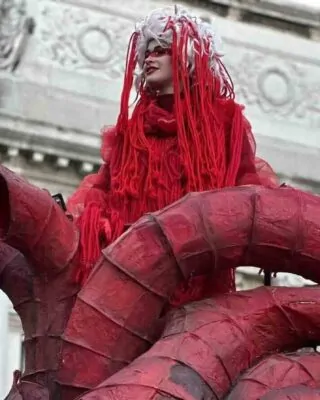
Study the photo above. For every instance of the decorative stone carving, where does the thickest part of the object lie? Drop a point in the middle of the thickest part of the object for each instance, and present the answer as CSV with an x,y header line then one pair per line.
x,y
95,44
278,86
266,81
83,40
15,27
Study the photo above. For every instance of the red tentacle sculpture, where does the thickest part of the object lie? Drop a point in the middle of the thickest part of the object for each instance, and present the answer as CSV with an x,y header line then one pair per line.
x,y
207,345
16,280
298,392
128,289
281,371
75,340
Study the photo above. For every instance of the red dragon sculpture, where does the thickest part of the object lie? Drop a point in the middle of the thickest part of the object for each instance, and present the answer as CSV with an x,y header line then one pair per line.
x,y
114,338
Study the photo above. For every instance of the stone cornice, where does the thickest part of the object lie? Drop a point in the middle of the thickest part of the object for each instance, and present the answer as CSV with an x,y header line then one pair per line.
x,y
33,163
286,9
40,141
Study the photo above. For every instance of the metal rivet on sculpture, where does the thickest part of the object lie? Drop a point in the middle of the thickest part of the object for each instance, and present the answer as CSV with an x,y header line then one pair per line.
x,y
98,297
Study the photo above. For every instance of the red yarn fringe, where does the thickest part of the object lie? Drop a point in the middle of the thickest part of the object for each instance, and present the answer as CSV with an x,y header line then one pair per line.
x,y
211,134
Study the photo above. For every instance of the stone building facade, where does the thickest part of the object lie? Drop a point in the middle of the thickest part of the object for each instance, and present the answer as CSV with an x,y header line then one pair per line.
x,y
61,67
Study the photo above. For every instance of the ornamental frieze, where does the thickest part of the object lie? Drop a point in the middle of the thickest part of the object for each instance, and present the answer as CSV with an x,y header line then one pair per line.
x,y
15,28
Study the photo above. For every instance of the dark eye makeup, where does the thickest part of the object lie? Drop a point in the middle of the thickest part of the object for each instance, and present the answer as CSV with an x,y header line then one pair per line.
x,y
158,52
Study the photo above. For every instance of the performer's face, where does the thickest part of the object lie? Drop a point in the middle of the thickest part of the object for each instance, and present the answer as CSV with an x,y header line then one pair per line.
x,y
158,68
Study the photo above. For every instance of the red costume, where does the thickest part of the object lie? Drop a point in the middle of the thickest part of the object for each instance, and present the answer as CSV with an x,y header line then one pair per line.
x,y
133,181
196,139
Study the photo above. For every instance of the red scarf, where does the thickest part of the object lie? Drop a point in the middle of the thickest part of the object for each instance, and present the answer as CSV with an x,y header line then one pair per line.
x,y
107,211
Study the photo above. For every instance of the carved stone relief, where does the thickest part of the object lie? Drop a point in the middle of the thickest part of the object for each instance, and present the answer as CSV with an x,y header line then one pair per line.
x,y
83,40
15,27
278,86
94,42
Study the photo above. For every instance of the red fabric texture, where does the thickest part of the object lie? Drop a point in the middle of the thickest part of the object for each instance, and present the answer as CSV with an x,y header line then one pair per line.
x,y
76,339
5,212
206,346
35,224
299,392
202,233
37,274
22,390
279,373
7,254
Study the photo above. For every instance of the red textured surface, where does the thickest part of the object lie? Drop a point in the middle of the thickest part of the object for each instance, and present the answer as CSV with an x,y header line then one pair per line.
x,y
76,340
294,393
35,224
42,291
26,390
207,345
279,374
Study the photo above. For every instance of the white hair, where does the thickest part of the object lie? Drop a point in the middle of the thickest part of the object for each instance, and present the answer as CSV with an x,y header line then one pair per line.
x,y
153,27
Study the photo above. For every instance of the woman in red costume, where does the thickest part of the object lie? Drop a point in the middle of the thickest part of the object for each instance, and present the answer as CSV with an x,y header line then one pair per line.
x,y
186,134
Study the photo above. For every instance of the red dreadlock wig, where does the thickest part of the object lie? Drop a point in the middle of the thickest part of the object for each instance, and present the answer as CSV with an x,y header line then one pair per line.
x,y
201,83
207,147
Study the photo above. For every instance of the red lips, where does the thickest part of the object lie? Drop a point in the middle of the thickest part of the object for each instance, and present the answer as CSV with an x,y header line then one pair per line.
x,y
150,70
